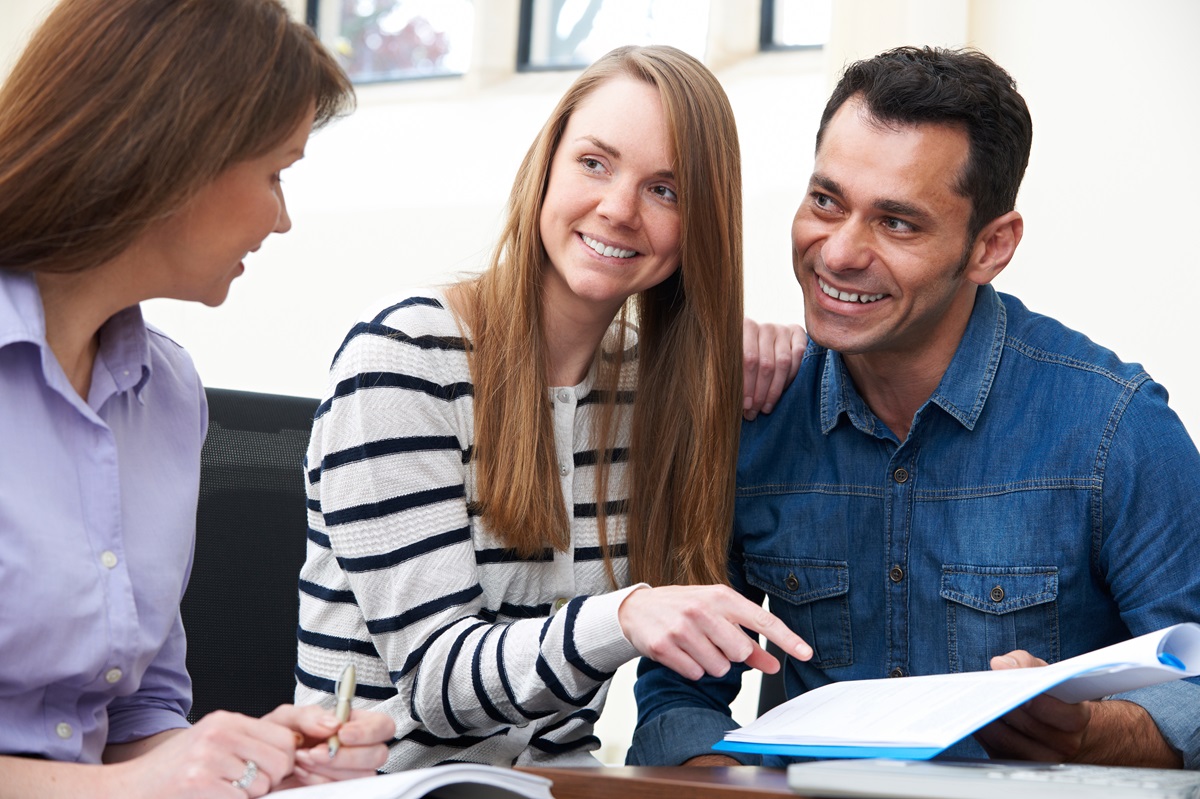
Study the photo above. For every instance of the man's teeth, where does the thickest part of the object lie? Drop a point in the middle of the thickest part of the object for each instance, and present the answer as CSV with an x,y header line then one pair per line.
x,y
607,250
846,297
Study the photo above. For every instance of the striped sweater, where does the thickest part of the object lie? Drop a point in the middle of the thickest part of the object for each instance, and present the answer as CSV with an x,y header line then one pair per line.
x,y
477,654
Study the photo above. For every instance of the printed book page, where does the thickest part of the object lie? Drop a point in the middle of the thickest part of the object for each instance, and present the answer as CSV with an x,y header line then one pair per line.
x,y
923,715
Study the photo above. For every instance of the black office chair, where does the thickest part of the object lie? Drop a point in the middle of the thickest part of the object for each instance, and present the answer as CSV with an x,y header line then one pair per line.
x,y
241,606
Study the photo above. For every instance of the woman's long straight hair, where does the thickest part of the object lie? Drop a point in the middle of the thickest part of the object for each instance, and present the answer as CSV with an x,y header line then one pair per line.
x,y
683,449
118,111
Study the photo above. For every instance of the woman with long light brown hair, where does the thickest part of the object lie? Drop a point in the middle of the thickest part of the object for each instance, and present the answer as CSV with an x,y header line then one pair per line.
x,y
141,143
523,481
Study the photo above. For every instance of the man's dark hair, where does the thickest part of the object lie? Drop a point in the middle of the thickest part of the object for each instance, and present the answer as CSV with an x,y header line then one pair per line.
x,y
920,85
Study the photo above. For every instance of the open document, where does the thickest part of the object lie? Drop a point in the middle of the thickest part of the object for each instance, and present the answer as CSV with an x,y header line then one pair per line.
x,y
915,718
450,781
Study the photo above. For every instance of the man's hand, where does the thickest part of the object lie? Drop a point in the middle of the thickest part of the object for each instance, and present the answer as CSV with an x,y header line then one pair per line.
x,y
771,356
711,760
1109,732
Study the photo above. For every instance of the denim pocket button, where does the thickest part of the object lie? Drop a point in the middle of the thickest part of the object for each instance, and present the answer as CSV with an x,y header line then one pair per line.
x,y
791,582
996,594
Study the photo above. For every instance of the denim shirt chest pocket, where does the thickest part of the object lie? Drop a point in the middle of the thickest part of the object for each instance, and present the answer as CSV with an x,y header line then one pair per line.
x,y
992,610
811,597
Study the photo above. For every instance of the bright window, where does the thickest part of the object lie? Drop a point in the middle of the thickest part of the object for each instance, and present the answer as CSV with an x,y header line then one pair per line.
x,y
567,34
795,23
380,40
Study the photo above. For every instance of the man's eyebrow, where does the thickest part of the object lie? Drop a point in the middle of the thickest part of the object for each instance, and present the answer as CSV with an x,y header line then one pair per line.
x,y
897,208
890,207
826,184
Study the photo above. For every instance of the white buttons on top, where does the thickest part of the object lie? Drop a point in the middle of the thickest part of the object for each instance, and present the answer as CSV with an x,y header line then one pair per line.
x,y
63,730
113,675
563,469
563,395
108,559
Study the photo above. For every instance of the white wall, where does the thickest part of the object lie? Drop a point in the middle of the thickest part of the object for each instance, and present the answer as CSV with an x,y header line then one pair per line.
x,y
409,190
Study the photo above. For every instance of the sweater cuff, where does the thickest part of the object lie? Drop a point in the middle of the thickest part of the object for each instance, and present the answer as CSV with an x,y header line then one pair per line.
x,y
598,632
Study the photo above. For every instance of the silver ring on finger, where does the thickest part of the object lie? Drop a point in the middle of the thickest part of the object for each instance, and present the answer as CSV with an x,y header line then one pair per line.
x,y
248,776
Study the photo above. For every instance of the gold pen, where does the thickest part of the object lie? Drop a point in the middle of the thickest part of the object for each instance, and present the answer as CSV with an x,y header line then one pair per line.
x,y
345,692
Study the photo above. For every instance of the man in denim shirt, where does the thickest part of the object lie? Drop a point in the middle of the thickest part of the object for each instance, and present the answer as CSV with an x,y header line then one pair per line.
x,y
952,482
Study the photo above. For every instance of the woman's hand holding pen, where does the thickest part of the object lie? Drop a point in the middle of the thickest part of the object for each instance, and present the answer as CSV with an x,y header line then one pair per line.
x,y
363,743
696,630
231,755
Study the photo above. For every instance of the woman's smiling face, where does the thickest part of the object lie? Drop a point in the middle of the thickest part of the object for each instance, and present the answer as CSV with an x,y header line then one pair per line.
x,y
610,221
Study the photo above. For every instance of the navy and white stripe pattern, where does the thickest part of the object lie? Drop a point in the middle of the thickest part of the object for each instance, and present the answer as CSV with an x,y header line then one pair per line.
x,y
478,654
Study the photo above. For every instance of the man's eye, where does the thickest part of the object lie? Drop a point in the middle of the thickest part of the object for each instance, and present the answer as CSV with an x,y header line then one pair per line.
x,y
898,225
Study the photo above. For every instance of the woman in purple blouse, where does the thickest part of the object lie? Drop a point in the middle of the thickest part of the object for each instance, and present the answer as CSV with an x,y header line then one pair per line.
x,y
141,143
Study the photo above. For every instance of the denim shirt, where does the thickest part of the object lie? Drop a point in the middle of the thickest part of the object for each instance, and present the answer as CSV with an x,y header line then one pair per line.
x,y
1046,499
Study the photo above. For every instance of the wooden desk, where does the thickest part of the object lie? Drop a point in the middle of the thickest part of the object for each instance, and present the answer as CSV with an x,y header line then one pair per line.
x,y
698,782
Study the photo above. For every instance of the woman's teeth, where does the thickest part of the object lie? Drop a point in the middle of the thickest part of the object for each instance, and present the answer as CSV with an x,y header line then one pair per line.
x,y
606,250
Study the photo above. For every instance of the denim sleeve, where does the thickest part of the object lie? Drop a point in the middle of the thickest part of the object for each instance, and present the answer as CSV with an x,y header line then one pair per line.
x,y
1150,550
679,718
1173,706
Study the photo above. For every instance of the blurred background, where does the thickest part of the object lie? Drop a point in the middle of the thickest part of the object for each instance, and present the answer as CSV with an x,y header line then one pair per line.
x,y
410,189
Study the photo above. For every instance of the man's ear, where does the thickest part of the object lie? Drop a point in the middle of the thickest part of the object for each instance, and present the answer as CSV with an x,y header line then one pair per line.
x,y
994,247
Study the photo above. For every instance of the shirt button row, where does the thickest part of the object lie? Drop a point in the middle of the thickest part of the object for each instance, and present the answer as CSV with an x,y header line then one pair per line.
x,y
63,730
896,574
563,395
896,672
563,469
560,603
900,475
108,559
113,676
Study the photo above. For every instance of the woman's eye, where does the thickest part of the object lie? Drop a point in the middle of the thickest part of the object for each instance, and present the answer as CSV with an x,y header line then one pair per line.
x,y
666,193
591,164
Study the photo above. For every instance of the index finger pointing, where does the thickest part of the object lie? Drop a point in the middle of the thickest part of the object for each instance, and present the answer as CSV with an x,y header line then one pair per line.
x,y
768,624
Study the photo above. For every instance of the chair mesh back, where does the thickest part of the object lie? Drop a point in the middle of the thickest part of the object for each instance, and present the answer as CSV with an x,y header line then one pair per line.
x,y
240,609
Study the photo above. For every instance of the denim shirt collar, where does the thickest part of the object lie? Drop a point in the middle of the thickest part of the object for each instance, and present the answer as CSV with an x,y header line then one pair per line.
x,y
962,391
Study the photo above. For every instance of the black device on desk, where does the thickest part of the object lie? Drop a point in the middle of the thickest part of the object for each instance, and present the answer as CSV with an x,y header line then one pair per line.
x,y
987,779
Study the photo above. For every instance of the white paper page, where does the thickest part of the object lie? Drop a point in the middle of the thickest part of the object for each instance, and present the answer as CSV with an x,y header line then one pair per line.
x,y
934,710
937,710
418,782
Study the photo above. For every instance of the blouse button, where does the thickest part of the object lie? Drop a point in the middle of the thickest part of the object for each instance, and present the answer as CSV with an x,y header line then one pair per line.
x,y
112,675
108,559
562,395
997,594
791,582
900,475
560,603
63,730
562,469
